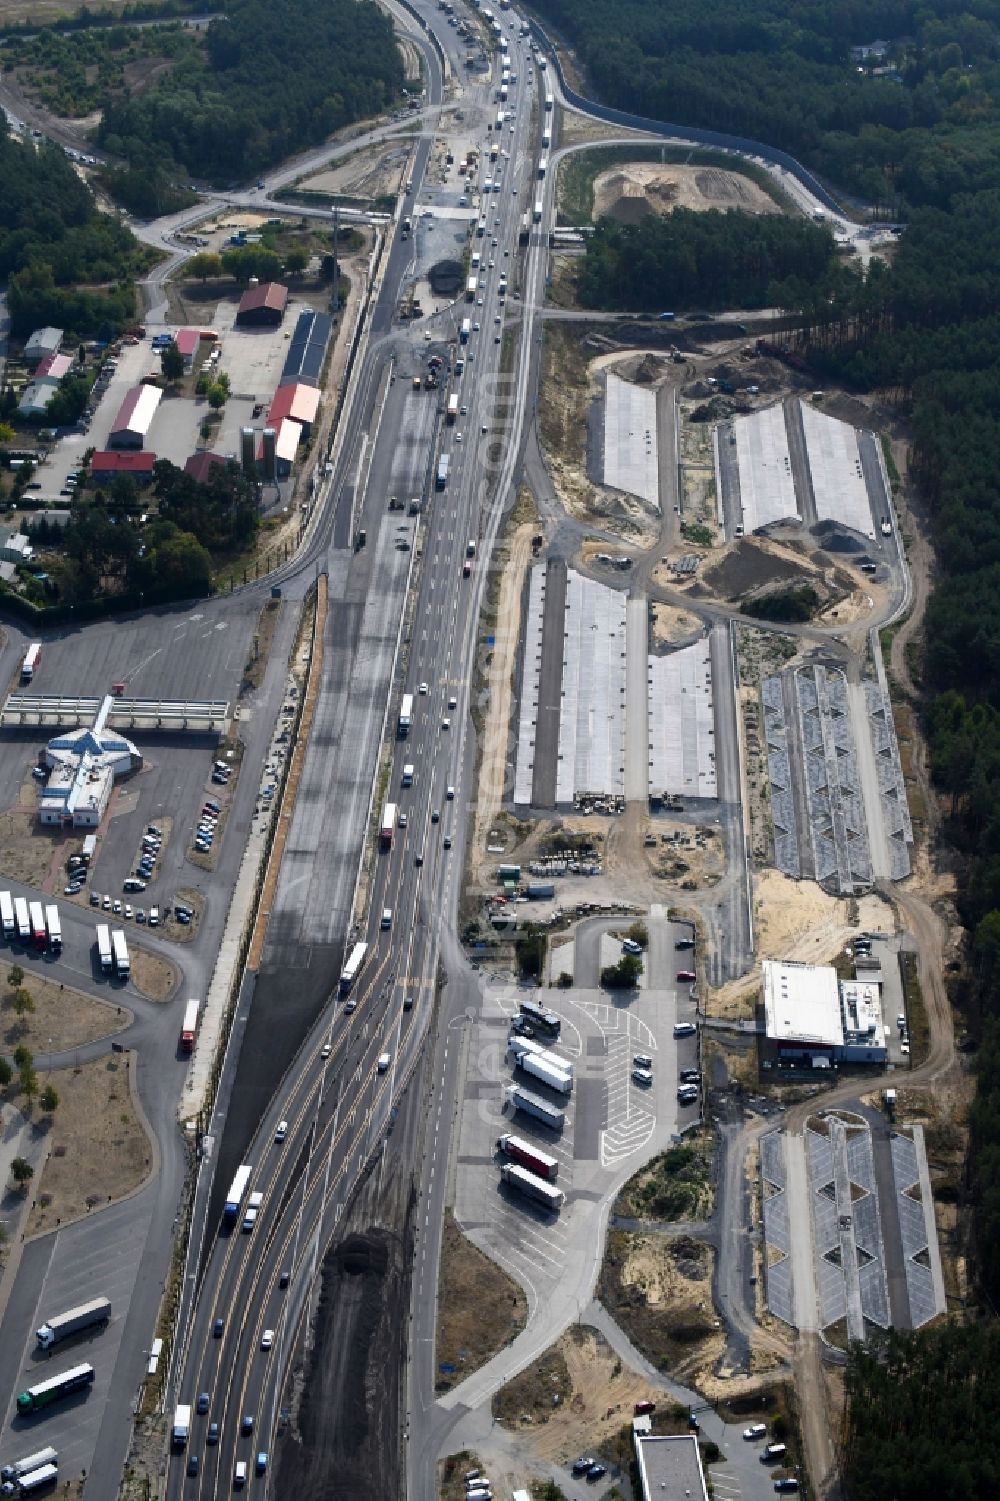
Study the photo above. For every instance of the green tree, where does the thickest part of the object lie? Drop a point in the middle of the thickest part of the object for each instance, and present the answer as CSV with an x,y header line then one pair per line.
x,y
172,362
49,1099
180,568
24,1002
27,1081
639,933
624,975
7,433
23,1056
22,1172
216,396
204,266
6,1073
15,976
296,259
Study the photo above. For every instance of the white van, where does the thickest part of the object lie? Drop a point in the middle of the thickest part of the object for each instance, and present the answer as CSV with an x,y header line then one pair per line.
x,y
383,1062
386,918
240,1475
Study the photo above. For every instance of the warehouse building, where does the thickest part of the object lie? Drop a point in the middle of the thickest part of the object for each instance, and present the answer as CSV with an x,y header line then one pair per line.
x,y
812,1019
299,402
105,465
670,1467
307,351
53,367
187,341
84,766
135,416
288,436
262,306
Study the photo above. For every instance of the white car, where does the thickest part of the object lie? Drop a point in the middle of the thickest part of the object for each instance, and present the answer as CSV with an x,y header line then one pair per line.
x,y
446,724
281,1131
452,702
128,910
755,1431
422,688
267,1339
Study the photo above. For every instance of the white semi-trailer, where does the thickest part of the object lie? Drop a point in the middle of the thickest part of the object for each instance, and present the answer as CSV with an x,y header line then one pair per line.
x,y
63,1325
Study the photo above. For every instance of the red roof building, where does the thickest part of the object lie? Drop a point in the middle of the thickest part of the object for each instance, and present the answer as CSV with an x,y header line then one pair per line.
x,y
263,304
105,465
187,341
299,402
200,465
55,366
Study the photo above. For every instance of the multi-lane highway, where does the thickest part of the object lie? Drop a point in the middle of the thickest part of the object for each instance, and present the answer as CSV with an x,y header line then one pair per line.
x,y
335,1097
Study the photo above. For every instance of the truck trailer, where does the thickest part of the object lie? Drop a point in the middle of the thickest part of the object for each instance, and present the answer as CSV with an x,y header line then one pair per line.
x,y
54,924
546,1194
452,412
519,1098
104,951
538,211
46,1456
36,914
520,1047
189,1026
62,1325
7,914
387,827
405,716
21,919
44,1393
529,1156
237,1193
545,1072
465,331
182,1425
34,1481
442,473
473,281
119,948
32,657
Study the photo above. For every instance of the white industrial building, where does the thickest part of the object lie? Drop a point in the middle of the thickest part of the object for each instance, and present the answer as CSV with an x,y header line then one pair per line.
x,y
669,1466
84,765
42,342
815,1020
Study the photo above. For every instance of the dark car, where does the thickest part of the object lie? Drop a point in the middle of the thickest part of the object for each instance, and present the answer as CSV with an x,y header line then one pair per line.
x,y
581,1466
193,1465
690,1076
212,1436
246,1427
203,1402
684,943
218,1327
596,1471
786,1483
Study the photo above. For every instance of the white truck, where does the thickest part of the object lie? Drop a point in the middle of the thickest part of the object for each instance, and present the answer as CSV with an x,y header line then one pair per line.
x,y
182,1425
104,952
546,1194
519,1098
521,1045
545,1072
22,919
119,948
35,1480
47,1456
54,925
7,914
62,1325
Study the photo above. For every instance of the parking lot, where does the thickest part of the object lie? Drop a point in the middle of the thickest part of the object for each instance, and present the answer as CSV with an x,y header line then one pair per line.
x,y
613,1122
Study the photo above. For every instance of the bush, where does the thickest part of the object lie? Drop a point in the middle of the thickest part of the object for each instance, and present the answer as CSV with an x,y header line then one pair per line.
x,y
622,976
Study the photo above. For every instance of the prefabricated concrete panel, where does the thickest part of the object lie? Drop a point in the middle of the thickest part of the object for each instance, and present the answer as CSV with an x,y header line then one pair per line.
x,y
592,717
767,490
836,472
630,448
682,722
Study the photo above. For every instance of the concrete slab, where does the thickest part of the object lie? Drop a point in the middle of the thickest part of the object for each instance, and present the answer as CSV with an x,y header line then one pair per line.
x,y
630,446
682,722
836,471
767,492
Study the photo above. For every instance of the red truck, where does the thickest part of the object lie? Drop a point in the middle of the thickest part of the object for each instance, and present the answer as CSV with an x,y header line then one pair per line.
x,y
387,827
529,1156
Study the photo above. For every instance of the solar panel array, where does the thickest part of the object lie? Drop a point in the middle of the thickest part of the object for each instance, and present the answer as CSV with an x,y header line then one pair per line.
x,y
837,823
892,787
782,801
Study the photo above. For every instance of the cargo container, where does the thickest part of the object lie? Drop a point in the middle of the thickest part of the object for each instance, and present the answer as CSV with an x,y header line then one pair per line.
x,y
519,1098
36,1480
516,1176
351,969
182,1425
53,923
62,1325
545,1072
519,1045
473,281
39,935
32,657
529,1156
189,1026
441,479
452,412
540,891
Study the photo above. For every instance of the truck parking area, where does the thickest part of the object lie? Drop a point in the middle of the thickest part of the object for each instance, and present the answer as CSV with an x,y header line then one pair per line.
x,y
612,1120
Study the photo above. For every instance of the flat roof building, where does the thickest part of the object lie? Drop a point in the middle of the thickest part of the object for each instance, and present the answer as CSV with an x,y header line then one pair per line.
x,y
263,305
815,1020
670,1467
307,350
134,418
53,367
42,342
84,766
104,465
35,397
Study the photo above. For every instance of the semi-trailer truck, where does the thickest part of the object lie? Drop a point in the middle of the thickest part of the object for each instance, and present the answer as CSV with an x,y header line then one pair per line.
x,y
54,925
54,1389
32,657
519,1046
349,973
442,472
104,951
182,1425
189,1026
543,167
405,716
236,1194
62,1325
546,1194
545,1072
473,281
387,827
21,919
46,1456
452,412
531,1157
465,331
36,913
519,1098
119,948
34,1481
7,914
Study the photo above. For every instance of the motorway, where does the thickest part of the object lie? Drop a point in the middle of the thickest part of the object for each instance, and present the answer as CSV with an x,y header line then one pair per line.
x,y
338,1107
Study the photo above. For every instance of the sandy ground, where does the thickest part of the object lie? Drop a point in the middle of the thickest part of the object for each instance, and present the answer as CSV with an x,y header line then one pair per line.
x,y
797,920
634,190
671,624
597,1394
154,977
500,678
63,1018
480,1308
98,1150
25,849
371,173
